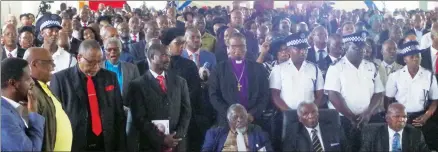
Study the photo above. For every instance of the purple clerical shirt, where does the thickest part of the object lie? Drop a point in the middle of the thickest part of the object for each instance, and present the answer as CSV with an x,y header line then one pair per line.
x,y
239,71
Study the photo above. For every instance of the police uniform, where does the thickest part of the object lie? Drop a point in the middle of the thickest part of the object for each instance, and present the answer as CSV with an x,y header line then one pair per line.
x,y
415,93
296,85
356,86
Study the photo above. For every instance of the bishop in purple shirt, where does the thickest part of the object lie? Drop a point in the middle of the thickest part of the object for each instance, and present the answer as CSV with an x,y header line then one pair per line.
x,y
239,80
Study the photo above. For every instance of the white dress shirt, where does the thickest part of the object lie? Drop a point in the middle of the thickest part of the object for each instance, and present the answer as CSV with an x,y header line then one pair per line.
x,y
16,105
13,52
419,34
63,60
333,58
433,54
137,37
391,137
318,133
412,92
296,85
344,77
324,54
426,41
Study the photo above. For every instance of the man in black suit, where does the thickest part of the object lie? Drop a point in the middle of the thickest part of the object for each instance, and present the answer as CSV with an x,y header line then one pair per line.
x,y
97,119
239,80
395,135
418,29
11,49
310,134
318,51
160,94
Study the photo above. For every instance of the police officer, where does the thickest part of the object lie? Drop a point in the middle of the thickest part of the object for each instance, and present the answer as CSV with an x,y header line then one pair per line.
x,y
416,88
354,87
296,80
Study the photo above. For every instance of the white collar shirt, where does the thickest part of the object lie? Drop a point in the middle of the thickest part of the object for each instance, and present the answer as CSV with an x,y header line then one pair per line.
x,y
16,105
12,52
318,133
344,77
156,74
63,60
391,137
324,53
137,37
426,41
296,85
433,55
419,34
412,92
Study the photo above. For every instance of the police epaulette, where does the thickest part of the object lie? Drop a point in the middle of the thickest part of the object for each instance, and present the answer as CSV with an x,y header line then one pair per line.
x,y
337,61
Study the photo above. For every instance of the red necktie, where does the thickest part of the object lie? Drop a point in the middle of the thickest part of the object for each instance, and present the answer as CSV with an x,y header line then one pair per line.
x,y
160,79
134,38
9,55
85,24
96,124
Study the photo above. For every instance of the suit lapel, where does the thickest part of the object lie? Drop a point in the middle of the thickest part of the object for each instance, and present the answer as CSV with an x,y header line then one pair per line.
x,y
311,55
252,84
426,60
325,133
3,53
171,85
8,106
232,82
102,95
78,84
405,140
306,135
154,84
125,73
385,138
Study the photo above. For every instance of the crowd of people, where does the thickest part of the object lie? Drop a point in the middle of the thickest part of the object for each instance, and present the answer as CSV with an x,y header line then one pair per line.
x,y
308,78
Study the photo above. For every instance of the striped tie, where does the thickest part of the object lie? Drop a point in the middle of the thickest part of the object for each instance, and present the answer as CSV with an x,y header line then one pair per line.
x,y
396,143
315,141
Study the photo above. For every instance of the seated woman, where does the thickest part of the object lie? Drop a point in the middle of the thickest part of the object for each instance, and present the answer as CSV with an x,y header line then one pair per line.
x,y
239,135
88,33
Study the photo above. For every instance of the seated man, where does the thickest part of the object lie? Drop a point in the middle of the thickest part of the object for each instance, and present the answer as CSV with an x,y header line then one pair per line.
x,y
395,135
238,136
312,135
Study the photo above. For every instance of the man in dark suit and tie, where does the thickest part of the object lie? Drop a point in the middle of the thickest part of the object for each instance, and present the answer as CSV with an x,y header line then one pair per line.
x,y
19,132
10,48
418,29
395,135
161,95
310,134
92,100
239,80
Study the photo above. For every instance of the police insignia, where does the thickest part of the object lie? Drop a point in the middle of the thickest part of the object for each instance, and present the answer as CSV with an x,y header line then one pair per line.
x,y
364,35
303,35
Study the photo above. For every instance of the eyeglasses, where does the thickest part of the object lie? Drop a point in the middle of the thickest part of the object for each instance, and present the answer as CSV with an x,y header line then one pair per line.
x,y
117,49
93,63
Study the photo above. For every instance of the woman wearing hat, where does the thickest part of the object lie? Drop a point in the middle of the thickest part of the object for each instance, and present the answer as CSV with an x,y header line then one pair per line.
x,y
415,87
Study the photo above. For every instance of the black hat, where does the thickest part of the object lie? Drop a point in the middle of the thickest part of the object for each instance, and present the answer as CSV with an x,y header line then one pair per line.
x,y
48,21
409,48
170,34
298,40
357,38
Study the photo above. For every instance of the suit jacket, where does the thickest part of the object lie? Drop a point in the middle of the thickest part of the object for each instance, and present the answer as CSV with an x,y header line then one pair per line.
x,y
46,108
426,59
216,137
74,46
129,72
376,138
333,26
223,89
15,135
149,103
204,57
142,66
138,50
68,86
325,63
20,53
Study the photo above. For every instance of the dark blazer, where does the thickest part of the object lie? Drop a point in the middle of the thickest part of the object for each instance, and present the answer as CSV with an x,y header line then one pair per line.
x,y
426,59
20,53
223,89
298,139
138,50
204,57
216,137
333,26
15,135
46,108
376,138
325,63
149,103
68,86
74,46
142,66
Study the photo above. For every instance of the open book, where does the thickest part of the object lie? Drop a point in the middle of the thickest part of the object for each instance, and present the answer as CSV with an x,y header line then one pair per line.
x,y
162,125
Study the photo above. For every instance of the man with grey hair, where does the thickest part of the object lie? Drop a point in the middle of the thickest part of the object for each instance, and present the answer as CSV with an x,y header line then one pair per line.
x,y
237,133
11,49
323,135
91,98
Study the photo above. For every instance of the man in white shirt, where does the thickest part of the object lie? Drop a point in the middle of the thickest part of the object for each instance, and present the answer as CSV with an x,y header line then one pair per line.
x,y
305,76
354,87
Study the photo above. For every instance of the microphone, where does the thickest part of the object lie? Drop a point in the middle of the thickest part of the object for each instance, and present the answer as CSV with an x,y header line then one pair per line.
x,y
205,73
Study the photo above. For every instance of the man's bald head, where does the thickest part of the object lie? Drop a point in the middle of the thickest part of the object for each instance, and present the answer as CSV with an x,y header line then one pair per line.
x,y
395,107
35,53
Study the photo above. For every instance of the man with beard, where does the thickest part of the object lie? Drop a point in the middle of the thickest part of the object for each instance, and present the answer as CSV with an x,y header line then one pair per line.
x,y
160,94
323,135
50,33
92,99
11,49
237,135
238,80
395,135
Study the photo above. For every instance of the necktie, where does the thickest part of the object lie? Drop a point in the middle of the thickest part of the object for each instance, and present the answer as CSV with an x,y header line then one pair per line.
x,y
320,58
84,24
96,124
396,147
315,141
436,64
160,79
195,58
134,38
9,55
241,146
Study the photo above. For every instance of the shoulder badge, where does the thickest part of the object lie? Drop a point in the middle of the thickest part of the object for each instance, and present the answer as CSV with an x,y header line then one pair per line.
x,y
303,35
364,34
54,17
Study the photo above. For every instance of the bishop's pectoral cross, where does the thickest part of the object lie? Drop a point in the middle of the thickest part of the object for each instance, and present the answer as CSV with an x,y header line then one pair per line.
x,y
239,86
